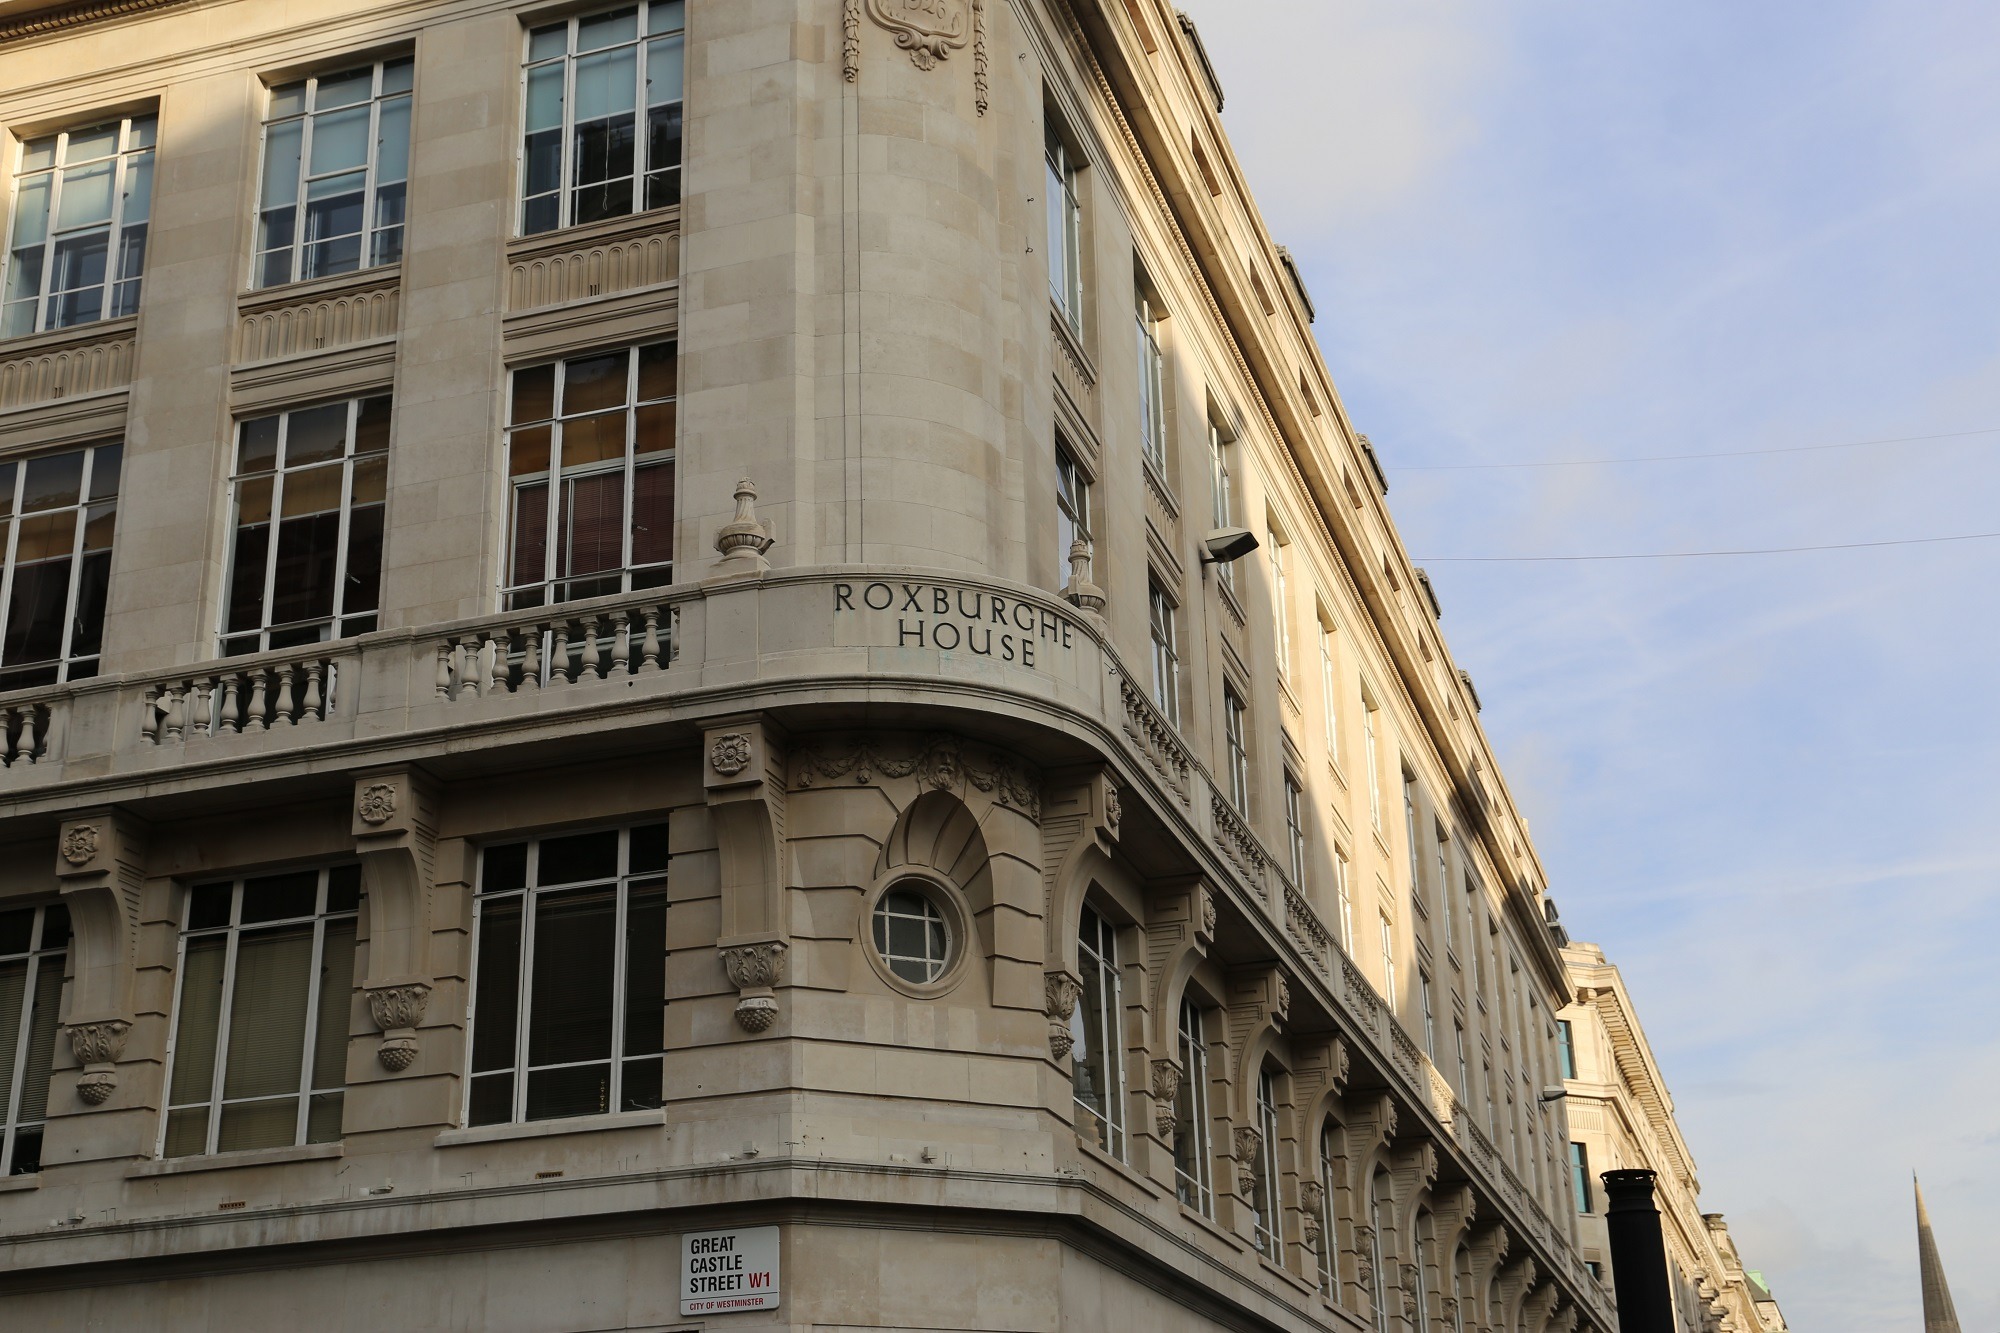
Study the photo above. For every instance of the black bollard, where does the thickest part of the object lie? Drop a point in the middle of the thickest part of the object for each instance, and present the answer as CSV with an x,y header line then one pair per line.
x,y
1638,1253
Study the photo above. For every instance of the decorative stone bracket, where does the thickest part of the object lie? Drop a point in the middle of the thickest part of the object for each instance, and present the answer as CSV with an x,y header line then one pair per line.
x,y
1364,1255
1248,1141
1312,1197
755,968
97,1047
398,1010
1060,992
395,834
1166,1088
100,865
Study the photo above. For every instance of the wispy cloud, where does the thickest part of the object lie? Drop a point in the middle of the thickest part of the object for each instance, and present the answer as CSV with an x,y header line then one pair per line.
x,y
1555,229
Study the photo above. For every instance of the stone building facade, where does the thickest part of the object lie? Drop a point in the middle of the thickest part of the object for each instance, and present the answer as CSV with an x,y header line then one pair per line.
x,y
626,622
1621,1117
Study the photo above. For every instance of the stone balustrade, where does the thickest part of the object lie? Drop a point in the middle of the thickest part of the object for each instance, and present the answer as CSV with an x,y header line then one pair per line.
x,y
24,733
550,649
266,693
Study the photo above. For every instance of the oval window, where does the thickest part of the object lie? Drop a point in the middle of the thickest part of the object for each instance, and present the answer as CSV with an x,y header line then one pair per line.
x,y
911,935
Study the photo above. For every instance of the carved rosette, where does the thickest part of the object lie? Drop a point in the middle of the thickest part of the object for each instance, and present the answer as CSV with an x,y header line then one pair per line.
x,y
1060,992
755,970
397,1010
375,803
97,1047
930,30
1248,1141
1166,1087
1312,1196
730,754
79,844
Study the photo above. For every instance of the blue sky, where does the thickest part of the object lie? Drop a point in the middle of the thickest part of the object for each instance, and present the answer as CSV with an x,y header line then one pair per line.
x,y
1769,786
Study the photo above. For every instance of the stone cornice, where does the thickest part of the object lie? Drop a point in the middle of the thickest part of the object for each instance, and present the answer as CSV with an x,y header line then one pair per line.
x,y
47,19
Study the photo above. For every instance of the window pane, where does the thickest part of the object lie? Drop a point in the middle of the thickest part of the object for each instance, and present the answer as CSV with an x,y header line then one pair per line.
x,y
280,897
666,16
138,190
544,43
593,439
555,1093
340,140
499,981
93,582
13,1003
86,196
653,514
363,588
397,75
344,89
392,159
260,1124
531,534
31,216
646,969
37,610
534,398
336,998
323,1117
288,99
657,370
592,524
579,857
194,1030
664,60
621,25
569,1012
53,480
267,1014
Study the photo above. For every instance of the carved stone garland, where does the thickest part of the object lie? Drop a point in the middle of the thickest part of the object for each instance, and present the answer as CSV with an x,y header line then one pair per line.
x,y
939,762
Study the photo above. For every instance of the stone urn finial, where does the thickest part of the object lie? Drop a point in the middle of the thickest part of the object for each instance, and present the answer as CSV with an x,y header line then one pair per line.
x,y
743,540
1084,594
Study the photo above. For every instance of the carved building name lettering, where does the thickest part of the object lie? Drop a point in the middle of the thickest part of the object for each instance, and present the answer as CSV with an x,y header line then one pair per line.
x,y
985,624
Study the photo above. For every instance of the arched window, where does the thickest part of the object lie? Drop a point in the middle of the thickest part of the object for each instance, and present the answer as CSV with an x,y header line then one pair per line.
x,y
1379,1294
1094,1058
1329,1239
1269,1228
1192,1165
1421,1253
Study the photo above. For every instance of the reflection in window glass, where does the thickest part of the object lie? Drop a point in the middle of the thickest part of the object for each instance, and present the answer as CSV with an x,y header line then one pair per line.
x,y
34,943
265,984
569,985
335,182
911,936
308,491
1095,1052
602,120
77,248
590,455
1192,1167
58,513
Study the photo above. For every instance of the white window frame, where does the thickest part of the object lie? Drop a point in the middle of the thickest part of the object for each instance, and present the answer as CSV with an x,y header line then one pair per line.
x,y
1343,885
1329,691
1388,960
1236,739
1329,1271
529,896
131,161
307,117
1101,1031
1221,494
216,1102
1196,1189
1373,758
334,626
1268,1212
1430,1016
1152,385
1281,609
1162,626
1410,829
1444,885
34,961
1295,829
1061,170
69,664
556,477
643,40
1072,509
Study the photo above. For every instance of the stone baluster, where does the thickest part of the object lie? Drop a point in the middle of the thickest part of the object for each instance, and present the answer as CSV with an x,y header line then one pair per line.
x,y
284,707
649,657
621,643
201,718
464,658
27,745
149,716
312,709
259,681
231,719
591,670
559,659
8,717
491,659
531,658
175,727
444,672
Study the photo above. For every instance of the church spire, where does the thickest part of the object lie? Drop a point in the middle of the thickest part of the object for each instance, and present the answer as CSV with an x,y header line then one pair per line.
x,y
1939,1317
